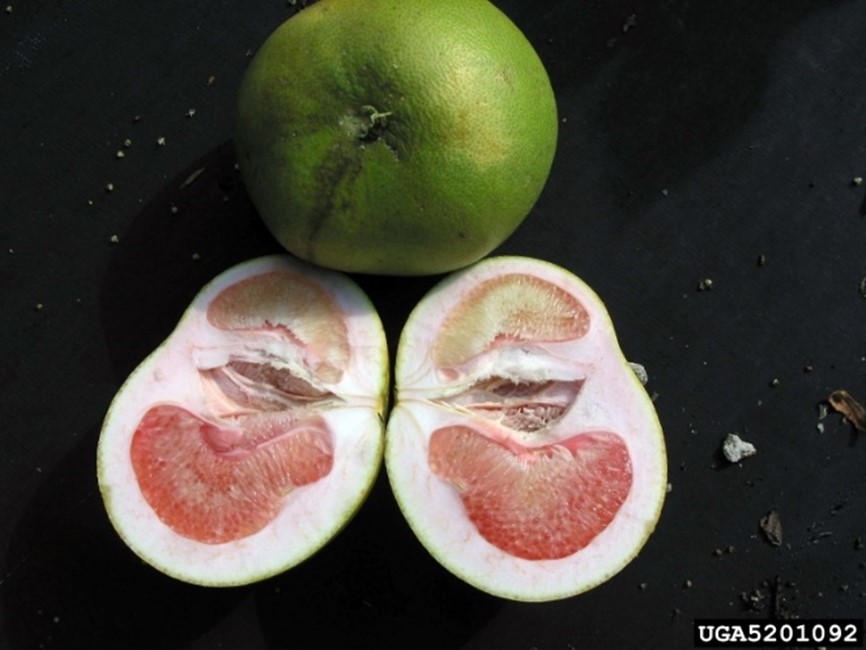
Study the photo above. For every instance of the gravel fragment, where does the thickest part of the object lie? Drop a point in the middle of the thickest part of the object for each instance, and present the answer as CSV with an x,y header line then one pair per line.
x,y
640,371
771,525
736,449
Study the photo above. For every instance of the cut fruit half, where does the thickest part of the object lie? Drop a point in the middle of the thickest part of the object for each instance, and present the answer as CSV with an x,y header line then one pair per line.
x,y
251,435
522,449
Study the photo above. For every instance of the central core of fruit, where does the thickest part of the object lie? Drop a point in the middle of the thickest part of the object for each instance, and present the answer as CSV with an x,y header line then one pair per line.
x,y
257,386
521,405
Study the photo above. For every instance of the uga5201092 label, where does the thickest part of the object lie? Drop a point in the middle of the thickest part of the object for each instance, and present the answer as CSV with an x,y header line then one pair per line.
x,y
739,633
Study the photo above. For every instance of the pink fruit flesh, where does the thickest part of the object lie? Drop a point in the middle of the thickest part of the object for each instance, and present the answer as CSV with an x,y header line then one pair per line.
x,y
290,305
539,503
215,485
508,309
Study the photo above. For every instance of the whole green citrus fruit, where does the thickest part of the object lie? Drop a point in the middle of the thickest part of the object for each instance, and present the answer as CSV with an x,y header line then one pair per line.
x,y
395,137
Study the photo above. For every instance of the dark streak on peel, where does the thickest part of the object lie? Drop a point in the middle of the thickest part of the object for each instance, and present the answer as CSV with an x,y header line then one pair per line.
x,y
339,168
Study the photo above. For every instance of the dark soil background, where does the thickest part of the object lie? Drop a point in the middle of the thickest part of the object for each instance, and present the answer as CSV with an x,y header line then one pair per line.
x,y
706,185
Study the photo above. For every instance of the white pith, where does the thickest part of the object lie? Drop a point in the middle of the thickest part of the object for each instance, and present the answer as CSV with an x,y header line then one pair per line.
x,y
610,399
311,514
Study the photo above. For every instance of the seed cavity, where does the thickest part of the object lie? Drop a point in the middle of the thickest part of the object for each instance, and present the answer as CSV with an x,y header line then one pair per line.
x,y
245,386
526,406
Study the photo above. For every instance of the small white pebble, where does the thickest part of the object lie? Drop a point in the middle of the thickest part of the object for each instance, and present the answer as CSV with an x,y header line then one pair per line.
x,y
160,141
735,448
114,239
705,284
857,180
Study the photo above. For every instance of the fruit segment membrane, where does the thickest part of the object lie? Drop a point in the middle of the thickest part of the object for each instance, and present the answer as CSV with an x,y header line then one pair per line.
x,y
539,500
223,474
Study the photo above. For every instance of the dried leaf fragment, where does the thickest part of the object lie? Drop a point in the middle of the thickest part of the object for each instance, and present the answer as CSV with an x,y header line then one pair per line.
x,y
771,526
853,410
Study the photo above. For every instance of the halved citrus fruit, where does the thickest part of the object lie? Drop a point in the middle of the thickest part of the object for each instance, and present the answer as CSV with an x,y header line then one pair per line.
x,y
522,449
251,435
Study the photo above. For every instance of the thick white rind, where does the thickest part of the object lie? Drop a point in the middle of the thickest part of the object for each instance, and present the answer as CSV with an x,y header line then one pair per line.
x,y
311,514
434,510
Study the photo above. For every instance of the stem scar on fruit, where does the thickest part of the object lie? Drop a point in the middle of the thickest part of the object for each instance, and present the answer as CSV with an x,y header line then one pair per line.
x,y
378,121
